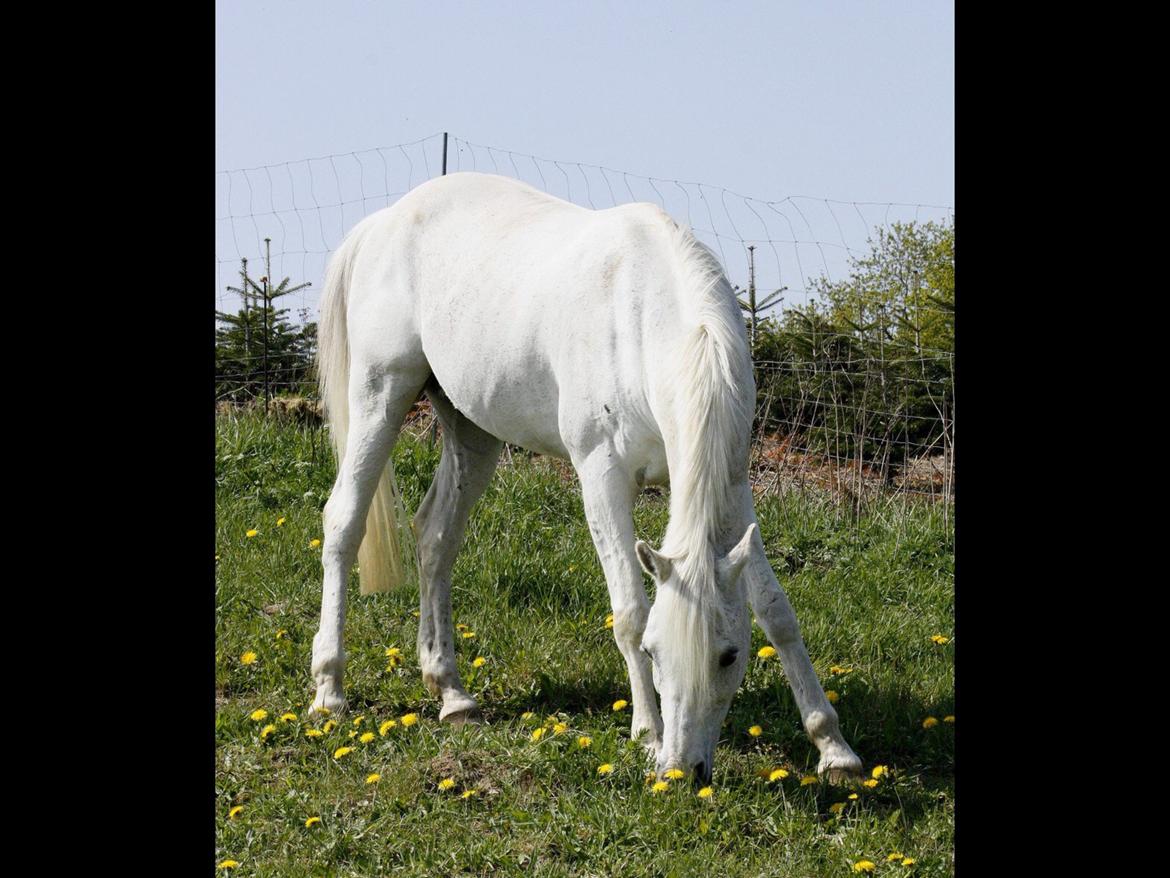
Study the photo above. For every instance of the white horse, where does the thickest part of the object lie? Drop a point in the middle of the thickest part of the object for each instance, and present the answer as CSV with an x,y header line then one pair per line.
x,y
610,338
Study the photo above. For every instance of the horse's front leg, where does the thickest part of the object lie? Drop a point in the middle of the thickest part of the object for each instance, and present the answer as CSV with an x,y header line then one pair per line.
x,y
608,493
776,616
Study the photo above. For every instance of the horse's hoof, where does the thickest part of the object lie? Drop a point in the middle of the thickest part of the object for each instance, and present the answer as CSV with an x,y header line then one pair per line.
x,y
327,703
840,770
461,711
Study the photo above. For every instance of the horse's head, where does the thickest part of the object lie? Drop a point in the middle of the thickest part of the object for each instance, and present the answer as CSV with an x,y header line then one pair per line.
x,y
698,636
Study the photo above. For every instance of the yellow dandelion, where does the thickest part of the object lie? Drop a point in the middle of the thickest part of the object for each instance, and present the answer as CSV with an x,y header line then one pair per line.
x,y
479,662
878,771
674,773
235,812
312,821
897,855
324,711
258,715
468,635
537,734
705,793
341,751
392,651
527,716
939,639
837,808
313,544
755,731
329,726
409,719
461,627
228,864
281,633
777,774
280,521
605,768
853,796
446,783
467,794
620,704
832,695
387,726
871,783
266,731
584,742
373,778
766,652
864,866
661,786
358,720
949,718
808,779
289,717
909,861
248,658
313,733
838,671
560,728
251,533
353,734
929,723
367,737
609,621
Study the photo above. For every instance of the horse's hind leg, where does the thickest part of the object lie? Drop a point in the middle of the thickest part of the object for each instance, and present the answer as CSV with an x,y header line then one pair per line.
x,y
376,412
469,459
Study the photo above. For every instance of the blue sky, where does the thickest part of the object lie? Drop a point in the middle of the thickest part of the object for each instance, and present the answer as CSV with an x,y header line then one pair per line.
x,y
843,103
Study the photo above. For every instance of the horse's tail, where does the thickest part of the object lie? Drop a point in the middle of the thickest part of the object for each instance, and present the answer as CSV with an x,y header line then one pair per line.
x,y
388,537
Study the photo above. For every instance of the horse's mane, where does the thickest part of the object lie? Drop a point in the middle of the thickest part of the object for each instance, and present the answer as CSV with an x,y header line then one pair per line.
x,y
714,402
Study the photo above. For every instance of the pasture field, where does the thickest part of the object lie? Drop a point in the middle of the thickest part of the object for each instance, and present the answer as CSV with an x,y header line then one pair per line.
x,y
870,595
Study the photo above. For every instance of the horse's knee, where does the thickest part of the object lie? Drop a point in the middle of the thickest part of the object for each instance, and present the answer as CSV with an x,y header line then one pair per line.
x,y
778,619
628,625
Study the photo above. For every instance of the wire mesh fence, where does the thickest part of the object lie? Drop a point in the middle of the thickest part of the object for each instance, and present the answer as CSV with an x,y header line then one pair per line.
x,y
860,408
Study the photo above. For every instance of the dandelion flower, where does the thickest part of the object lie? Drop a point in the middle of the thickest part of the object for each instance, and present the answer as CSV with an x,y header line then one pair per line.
x,y
341,751
373,778
620,704
605,768
949,718
288,717
468,635
909,861
329,726
251,533
313,733
409,719
661,786
467,794
358,720
897,855
387,726
766,652
527,716
853,797
446,783
777,774
674,773
367,737
280,521
929,723
392,651
461,627
832,695
258,715
837,808
313,544
755,731
479,662
324,711
705,793
939,639
235,812
864,866
228,864
879,770
560,728
584,742
537,734
609,621
838,671
808,779
312,821
281,633
248,658
266,731
871,783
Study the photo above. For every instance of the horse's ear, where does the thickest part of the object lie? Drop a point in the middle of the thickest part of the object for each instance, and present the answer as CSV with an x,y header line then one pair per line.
x,y
653,563
739,554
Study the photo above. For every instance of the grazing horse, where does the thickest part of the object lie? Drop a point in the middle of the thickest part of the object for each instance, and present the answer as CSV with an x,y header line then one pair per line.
x,y
610,338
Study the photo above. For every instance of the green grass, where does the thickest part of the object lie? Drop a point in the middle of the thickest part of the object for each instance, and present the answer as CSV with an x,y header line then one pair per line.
x,y
869,593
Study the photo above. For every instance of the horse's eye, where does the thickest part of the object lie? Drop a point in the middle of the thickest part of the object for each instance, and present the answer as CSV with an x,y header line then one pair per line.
x,y
728,658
